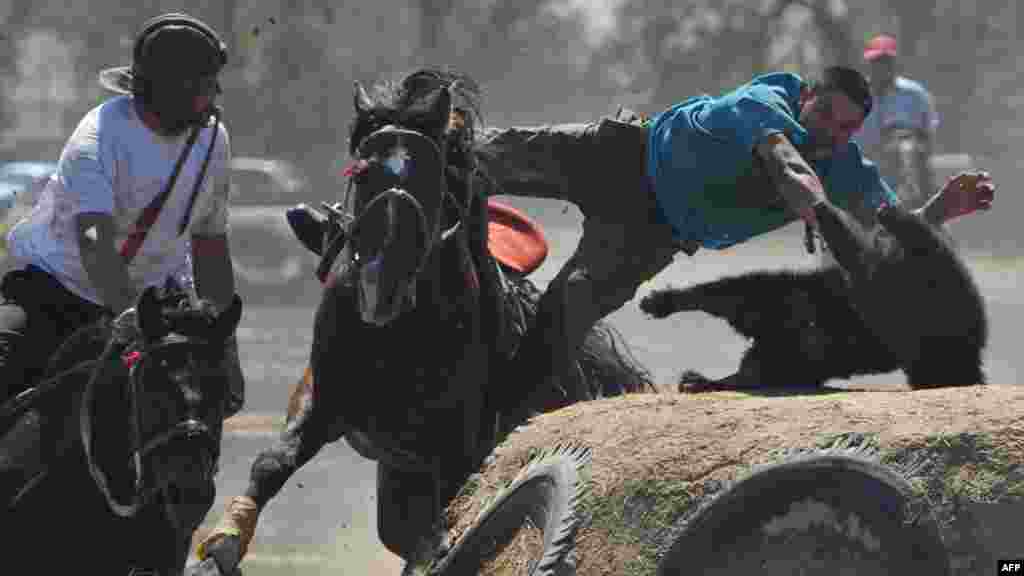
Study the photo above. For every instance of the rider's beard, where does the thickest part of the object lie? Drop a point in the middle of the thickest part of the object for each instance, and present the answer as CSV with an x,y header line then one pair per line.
x,y
818,145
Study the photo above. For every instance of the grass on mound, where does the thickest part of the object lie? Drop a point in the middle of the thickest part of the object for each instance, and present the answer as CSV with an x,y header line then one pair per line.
x,y
947,470
637,513
659,458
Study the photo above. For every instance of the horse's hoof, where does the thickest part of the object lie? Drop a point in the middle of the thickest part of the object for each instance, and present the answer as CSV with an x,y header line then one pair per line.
x,y
222,558
209,567
657,304
444,546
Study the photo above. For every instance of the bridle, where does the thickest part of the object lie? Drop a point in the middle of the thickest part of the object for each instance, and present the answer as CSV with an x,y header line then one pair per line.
x,y
190,428
345,226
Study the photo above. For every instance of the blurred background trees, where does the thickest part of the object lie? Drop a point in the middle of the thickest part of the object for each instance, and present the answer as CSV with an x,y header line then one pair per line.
x,y
288,85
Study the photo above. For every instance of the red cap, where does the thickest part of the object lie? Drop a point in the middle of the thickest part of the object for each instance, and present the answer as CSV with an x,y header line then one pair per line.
x,y
880,45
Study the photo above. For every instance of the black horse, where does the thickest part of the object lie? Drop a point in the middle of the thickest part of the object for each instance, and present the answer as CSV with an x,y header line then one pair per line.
x,y
107,465
414,343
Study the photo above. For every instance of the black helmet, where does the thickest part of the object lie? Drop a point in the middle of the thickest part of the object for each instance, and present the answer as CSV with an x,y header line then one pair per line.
x,y
175,59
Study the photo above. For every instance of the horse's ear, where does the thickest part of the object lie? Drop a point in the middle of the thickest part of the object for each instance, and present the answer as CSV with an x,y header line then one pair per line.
x,y
228,320
442,109
432,110
360,99
149,313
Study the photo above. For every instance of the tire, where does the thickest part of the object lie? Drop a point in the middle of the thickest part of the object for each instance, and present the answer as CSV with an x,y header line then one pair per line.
x,y
849,514
549,491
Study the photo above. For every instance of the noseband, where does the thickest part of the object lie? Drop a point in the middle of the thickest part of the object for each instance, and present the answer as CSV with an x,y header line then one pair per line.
x,y
344,225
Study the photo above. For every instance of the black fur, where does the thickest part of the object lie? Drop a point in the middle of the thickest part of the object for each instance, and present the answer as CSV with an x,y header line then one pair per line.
x,y
45,444
434,381
905,302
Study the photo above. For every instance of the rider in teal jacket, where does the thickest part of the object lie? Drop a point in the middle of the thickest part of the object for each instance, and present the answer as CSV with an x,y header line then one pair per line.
x,y
708,181
709,172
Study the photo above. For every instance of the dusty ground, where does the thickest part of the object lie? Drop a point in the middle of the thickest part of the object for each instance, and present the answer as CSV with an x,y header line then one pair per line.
x,y
655,456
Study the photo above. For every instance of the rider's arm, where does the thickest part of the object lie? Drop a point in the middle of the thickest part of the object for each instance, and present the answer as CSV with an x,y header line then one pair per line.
x,y
535,161
87,198
211,260
102,262
933,211
211,254
794,179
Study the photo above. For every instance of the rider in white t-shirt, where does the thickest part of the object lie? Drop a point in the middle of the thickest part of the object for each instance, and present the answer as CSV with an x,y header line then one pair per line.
x,y
114,165
80,253
900,103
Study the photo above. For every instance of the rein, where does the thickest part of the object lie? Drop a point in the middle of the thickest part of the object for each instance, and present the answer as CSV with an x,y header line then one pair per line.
x,y
17,406
345,232
190,428
85,430
345,224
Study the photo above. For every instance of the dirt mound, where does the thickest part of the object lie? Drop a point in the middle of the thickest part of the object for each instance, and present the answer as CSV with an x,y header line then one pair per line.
x,y
658,456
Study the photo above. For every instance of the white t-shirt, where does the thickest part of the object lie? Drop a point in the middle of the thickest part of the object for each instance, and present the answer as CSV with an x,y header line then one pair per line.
x,y
114,164
907,104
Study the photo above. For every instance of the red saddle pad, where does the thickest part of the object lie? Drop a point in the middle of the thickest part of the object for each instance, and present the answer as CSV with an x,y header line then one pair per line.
x,y
515,240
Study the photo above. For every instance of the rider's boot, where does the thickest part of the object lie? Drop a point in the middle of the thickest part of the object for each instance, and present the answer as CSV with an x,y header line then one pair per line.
x,y
309,225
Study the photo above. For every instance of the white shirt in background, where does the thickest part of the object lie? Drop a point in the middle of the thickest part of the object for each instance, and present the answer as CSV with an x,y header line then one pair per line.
x,y
114,164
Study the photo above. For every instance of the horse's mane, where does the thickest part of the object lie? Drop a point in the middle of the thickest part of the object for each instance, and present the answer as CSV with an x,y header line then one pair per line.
x,y
392,99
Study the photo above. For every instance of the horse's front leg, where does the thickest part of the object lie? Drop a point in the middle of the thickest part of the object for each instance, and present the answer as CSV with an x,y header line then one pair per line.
x,y
306,432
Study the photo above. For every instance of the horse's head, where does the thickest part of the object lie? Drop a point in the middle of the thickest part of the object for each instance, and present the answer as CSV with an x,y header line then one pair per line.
x,y
151,416
404,140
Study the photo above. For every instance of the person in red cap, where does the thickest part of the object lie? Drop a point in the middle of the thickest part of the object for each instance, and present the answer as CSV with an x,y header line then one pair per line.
x,y
900,104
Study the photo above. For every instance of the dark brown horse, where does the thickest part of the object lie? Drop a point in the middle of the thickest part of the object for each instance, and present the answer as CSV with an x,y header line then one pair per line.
x,y
107,465
414,343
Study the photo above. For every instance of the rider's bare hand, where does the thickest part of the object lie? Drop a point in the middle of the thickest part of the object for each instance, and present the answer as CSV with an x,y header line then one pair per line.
x,y
966,193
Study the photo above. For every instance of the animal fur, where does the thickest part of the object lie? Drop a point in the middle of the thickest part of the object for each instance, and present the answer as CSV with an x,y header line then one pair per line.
x,y
905,301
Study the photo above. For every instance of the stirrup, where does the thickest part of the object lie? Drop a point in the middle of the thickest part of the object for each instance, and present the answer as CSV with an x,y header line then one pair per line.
x,y
309,226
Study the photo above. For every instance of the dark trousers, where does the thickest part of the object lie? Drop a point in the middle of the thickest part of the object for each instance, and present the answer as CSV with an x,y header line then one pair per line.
x,y
37,314
600,167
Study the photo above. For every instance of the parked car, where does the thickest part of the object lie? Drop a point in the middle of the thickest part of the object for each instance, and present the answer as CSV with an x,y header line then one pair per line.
x,y
269,262
21,182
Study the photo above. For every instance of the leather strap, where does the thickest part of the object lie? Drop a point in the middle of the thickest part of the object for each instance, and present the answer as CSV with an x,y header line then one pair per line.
x,y
150,213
